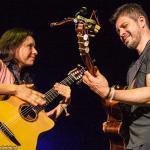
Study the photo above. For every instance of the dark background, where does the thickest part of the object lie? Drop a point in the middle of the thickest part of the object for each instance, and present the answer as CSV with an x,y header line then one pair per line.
x,y
58,54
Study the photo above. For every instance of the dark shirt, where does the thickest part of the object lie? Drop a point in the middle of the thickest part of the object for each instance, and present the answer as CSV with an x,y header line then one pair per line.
x,y
139,128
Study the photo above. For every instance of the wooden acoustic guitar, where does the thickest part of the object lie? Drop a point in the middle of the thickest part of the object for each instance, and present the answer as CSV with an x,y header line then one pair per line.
x,y
21,123
113,125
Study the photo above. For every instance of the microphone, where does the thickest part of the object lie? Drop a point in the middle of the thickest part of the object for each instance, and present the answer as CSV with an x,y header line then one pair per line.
x,y
82,11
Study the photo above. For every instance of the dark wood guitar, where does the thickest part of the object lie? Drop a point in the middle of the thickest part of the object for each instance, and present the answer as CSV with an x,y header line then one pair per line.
x,y
113,125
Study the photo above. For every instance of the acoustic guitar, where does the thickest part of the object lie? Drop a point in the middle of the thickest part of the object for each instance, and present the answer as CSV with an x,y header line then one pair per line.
x,y
21,123
113,125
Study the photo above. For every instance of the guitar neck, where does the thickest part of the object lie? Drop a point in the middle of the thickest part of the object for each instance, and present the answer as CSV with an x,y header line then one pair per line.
x,y
52,94
89,63
74,75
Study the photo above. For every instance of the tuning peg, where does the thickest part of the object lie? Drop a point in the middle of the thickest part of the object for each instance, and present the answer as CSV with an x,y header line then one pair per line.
x,y
85,37
87,49
97,28
86,43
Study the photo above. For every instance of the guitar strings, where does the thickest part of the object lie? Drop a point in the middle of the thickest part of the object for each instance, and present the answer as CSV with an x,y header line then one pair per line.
x,y
26,111
17,117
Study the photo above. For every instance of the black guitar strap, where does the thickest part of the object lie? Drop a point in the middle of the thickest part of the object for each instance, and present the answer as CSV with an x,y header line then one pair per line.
x,y
135,68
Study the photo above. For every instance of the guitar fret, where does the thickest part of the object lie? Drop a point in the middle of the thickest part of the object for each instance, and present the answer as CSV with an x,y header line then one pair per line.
x,y
67,81
51,94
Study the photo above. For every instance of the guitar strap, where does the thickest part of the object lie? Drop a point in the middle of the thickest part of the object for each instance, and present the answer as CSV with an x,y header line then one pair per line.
x,y
135,68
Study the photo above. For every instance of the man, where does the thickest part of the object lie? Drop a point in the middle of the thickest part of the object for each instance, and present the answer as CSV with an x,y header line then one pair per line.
x,y
132,26
17,51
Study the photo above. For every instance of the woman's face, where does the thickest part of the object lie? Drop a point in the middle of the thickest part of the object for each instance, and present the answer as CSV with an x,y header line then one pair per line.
x,y
26,52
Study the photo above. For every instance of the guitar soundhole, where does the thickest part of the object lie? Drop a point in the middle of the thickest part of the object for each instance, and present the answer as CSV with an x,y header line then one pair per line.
x,y
28,113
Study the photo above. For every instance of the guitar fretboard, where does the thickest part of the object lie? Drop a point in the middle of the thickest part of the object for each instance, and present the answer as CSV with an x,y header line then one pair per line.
x,y
52,94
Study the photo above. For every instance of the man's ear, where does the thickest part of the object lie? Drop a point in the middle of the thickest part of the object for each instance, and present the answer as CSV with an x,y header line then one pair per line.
x,y
142,21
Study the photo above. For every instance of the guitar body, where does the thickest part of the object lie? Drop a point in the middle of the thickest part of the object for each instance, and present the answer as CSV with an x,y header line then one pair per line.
x,y
113,127
26,132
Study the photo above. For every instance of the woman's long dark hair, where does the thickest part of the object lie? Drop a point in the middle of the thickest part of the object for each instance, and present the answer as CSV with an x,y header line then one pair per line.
x,y
10,40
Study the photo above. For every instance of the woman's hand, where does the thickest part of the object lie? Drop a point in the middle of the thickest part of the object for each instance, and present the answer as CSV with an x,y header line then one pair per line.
x,y
65,91
26,93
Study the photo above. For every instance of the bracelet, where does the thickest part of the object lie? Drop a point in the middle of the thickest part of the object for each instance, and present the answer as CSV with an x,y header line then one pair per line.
x,y
112,93
108,94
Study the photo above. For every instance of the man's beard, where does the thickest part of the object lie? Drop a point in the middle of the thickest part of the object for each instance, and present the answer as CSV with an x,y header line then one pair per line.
x,y
132,45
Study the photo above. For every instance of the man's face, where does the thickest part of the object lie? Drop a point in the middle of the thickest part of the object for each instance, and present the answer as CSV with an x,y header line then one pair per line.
x,y
129,31
26,52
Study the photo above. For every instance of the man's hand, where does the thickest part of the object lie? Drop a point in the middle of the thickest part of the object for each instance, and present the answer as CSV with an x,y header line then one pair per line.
x,y
98,83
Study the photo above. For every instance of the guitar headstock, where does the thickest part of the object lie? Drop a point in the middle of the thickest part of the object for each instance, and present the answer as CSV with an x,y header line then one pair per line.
x,y
77,73
83,43
83,39
86,28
